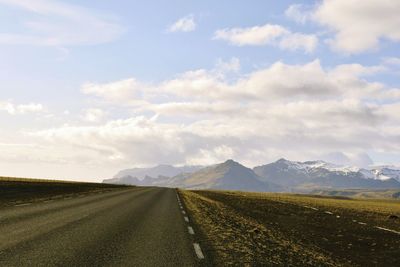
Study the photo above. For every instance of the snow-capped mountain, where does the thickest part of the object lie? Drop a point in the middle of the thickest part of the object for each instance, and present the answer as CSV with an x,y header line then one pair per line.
x,y
375,172
282,175
386,172
320,174
309,166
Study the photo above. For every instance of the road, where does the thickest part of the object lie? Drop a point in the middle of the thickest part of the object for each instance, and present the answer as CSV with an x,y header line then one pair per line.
x,y
129,227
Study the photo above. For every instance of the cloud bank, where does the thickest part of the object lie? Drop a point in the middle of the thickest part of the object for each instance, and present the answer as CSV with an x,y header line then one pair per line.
x,y
202,117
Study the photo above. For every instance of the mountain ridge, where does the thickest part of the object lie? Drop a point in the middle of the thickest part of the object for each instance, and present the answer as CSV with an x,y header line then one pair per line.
x,y
281,175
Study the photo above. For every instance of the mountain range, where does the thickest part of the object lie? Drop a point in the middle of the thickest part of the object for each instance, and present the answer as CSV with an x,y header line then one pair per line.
x,y
279,176
159,170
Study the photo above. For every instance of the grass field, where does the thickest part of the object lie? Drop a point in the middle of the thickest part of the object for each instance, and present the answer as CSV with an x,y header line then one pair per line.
x,y
361,193
295,230
21,190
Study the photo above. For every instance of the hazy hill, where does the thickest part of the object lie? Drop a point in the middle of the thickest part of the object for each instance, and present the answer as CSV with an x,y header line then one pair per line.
x,y
360,193
159,170
130,180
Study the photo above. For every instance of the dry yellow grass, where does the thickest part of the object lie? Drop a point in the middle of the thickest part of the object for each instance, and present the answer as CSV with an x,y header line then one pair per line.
x,y
15,190
234,239
383,206
34,180
268,229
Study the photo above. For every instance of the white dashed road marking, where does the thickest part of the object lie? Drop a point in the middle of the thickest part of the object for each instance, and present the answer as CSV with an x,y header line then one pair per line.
x,y
198,251
197,248
308,207
191,231
328,212
362,223
21,205
388,230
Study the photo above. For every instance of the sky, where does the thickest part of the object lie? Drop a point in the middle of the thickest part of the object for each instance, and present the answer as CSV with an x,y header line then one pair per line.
x,y
91,87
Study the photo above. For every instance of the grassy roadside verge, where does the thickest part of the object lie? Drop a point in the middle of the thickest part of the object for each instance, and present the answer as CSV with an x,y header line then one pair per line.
x,y
233,239
19,190
253,229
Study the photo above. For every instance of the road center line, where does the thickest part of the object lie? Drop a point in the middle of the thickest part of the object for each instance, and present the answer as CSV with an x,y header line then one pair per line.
x,y
198,251
186,219
183,212
190,229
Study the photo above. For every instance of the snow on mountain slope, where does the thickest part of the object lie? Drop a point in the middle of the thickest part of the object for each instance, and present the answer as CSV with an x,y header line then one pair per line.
x,y
375,172
386,172
308,166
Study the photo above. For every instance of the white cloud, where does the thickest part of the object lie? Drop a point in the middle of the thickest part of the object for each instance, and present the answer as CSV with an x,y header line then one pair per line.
x,y
185,24
357,159
134,139
123,91
297,130
359,25
59,24
268,34
202,117
93,115
297,41
299,13
307,81
30,108
13,109
257,35
230,66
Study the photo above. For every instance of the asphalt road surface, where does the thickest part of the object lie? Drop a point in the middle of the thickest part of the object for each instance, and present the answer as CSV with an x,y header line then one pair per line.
x,y
129,227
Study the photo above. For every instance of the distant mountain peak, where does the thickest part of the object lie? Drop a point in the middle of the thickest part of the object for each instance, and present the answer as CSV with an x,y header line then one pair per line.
x,y
282,160
310,162
231,162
